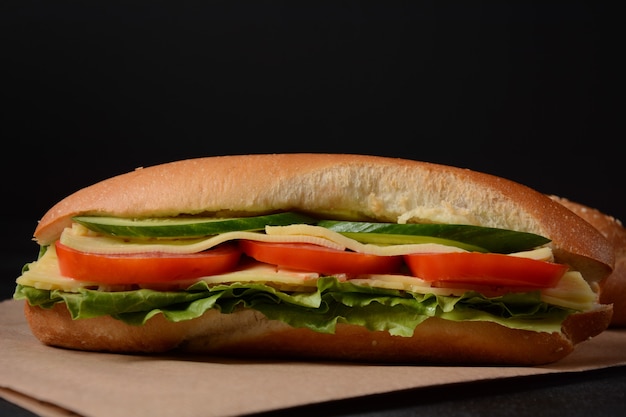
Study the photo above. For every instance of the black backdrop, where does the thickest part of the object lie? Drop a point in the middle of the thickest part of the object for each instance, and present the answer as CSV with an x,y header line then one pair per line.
x,y
94,89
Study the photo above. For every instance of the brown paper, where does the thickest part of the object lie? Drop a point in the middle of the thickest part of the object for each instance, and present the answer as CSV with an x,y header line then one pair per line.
x,y
54,382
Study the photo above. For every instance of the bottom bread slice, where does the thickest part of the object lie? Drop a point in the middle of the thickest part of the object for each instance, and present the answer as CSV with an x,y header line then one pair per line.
x,y
249,334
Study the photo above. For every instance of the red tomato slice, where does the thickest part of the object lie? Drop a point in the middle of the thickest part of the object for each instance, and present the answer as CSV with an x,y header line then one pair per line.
x,y
314,258
484,269
143,268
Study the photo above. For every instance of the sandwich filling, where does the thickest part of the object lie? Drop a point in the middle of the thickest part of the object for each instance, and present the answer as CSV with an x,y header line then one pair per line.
x,y
305,272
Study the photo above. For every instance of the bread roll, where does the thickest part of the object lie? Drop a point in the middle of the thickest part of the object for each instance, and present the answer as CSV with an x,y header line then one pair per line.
x,y
350,187
613,289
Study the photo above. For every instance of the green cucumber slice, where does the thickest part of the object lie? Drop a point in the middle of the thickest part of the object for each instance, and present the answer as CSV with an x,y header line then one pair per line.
x,y
488,238
186,227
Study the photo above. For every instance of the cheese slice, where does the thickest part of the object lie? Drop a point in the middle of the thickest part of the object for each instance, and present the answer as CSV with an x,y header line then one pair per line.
x,y
45,274
80,238
319,232
572,291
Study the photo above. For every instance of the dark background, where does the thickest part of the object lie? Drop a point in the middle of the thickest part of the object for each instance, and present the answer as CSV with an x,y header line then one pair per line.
x,y
522,90
95,89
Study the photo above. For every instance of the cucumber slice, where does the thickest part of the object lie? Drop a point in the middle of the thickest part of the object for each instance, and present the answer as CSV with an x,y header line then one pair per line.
x,y
486,238
186,227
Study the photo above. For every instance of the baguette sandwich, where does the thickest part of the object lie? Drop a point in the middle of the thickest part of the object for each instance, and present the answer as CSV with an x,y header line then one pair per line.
x,y
317,257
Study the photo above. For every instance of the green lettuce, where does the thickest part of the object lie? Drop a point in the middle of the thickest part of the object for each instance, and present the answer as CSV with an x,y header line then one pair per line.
x,y
333,301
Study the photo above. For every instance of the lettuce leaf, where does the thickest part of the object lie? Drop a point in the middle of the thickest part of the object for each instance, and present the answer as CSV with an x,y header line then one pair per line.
x,y
333,301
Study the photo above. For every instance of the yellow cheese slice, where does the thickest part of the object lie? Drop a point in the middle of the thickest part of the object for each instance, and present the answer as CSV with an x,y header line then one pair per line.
x,y
324,233
80,238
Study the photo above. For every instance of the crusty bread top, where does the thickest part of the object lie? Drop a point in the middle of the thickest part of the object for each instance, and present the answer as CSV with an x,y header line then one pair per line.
x,y
613,289
356,186
611,227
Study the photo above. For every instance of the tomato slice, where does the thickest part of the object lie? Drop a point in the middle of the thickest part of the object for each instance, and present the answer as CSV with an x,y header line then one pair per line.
x,y
315,258
484,269
145,267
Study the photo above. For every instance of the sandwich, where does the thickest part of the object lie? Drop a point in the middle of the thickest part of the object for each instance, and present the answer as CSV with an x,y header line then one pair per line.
x,y
612,289
317,257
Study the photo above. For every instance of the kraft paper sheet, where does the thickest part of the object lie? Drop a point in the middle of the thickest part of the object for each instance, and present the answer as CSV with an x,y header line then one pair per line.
x,y
56,382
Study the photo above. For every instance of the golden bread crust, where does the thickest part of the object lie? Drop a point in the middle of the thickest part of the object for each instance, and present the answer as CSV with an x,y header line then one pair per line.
x,y
248,333
613,288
